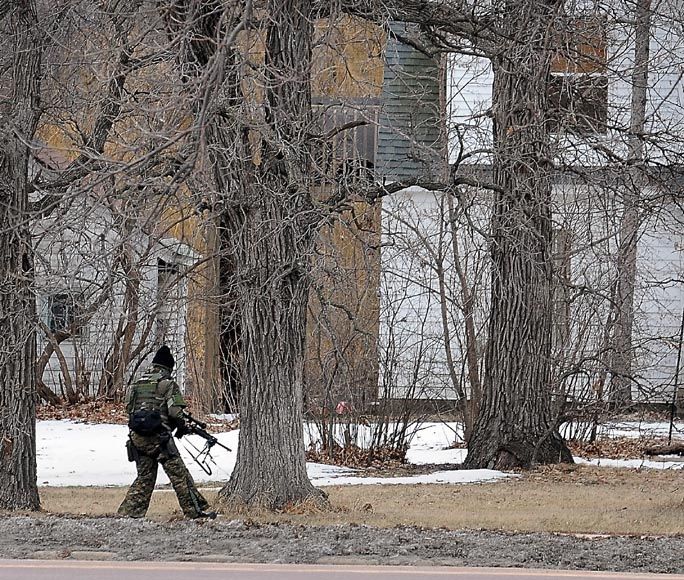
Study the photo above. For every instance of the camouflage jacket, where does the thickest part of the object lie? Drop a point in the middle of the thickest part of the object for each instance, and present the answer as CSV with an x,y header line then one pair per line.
x,y
156,390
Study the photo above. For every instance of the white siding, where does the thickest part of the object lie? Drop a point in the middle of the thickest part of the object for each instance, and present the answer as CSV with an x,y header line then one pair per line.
x,y
659,302
76,249
592,213
415,237
412,350
469,94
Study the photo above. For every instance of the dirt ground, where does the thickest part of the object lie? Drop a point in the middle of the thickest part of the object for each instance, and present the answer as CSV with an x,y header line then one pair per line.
x,y
225,540
574,517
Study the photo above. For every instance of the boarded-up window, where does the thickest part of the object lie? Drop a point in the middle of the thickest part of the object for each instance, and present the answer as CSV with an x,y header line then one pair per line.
x,y
578,87
346,153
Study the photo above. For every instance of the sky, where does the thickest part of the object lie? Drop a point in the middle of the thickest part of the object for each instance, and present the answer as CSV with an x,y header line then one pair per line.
x,y
79,454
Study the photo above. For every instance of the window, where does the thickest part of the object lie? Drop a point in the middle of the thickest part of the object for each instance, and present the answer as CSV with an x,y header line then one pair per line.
x,y
578,87
167,275
348,154
62,313
169,294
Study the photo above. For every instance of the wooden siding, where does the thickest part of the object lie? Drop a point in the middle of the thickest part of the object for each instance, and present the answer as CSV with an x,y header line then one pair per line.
x,y
342,327
341,354
416,231
410,133
587,215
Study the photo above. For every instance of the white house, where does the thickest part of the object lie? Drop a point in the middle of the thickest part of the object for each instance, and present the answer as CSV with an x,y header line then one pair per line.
x,y
425,239
114,284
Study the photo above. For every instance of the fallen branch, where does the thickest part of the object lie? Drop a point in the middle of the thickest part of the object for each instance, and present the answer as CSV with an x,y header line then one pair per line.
x,y
675,449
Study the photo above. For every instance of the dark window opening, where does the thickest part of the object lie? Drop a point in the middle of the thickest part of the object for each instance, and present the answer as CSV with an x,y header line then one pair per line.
x,y
356,170
167,273
62,314
578,84
578,103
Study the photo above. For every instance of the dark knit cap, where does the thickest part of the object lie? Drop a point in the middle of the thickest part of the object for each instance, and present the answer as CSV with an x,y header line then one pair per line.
x,y
164,358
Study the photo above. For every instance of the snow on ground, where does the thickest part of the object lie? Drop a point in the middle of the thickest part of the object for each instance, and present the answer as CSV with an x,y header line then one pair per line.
x,y
665,462
80,454
71,453
633,429
456,476
640,429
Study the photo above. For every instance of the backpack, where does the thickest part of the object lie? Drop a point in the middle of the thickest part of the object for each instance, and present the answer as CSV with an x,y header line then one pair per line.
x,y
145,422
145,418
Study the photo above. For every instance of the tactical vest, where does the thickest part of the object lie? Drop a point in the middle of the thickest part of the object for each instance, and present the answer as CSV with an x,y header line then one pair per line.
x,y
146,393
147,404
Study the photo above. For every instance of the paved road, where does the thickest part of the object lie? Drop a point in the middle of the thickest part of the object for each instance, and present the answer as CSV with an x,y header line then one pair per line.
x,y
75,570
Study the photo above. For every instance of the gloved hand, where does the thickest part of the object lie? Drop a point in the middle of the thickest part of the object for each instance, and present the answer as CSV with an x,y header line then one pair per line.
x,y
181,430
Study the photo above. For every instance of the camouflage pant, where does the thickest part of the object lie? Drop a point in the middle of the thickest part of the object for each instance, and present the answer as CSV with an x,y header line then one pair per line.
x,y
151,452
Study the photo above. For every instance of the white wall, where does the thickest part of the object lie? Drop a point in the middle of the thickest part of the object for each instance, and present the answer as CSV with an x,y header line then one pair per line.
x,y
415,236
412,351
76,248
592,213
469,96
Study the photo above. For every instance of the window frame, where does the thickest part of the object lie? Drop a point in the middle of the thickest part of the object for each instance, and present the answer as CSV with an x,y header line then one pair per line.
x,y
68,318
579,67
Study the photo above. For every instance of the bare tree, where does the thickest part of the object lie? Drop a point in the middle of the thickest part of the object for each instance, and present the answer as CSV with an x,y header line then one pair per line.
x,y
626,259
516,426
531,141
276,222
266,224
97,227
19,119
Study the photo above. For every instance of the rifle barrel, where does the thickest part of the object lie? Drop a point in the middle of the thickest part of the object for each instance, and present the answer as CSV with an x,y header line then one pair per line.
x,y
197,422
224,446
208,437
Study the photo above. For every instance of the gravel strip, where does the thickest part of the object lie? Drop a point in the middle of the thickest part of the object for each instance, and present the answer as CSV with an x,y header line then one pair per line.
x,y
225,540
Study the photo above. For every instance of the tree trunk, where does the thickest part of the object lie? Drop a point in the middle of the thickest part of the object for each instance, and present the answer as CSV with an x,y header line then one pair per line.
x,y
273,264
620,391
44,392
516,426
230,341
18,487
272,224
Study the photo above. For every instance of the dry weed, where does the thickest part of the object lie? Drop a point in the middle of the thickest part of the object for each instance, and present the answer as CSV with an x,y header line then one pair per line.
x,y
617,447
567,499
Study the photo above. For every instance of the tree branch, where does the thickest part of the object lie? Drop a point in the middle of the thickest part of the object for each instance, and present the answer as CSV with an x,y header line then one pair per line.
x,y
4,8
450,17
109,112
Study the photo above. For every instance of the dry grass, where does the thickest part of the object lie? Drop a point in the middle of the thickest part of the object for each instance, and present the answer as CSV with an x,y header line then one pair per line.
x,y
577,499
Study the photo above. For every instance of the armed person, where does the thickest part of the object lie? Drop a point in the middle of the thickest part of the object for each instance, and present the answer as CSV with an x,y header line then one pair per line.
x,y
155,408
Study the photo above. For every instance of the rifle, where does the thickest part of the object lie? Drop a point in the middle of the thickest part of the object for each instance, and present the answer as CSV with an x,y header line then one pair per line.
x,y
194,426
